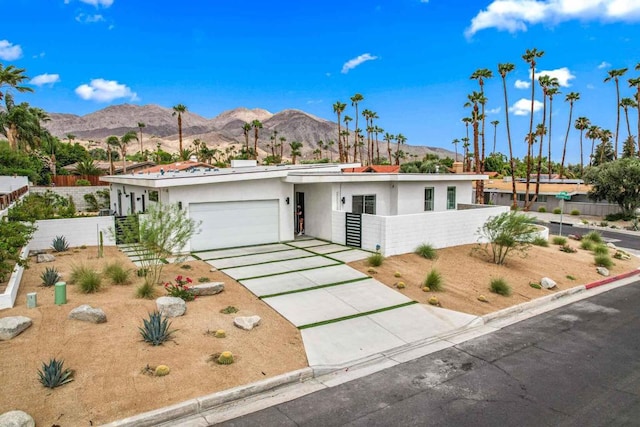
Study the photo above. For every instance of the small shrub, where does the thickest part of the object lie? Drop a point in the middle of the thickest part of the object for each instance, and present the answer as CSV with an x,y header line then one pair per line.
x,y
427,251
203,280
229,310
482,298
375,260
77,272
155,330
570,277
89,282
225,358
142,272
52,375
401,285
614,226
584,221
500,286
146,291
540,241
594,236
372,270
575,212
433,280
601,250
559,240
92,202
557,211
587,244
117,274
397,274
185,267
60,244
162,370
535,285
603,261
568,249
83,183
180,289
434,301
50,276
604,223
220,333
542,209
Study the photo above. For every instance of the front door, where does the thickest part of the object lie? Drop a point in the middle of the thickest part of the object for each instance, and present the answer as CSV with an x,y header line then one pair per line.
x,y
299,226
133,203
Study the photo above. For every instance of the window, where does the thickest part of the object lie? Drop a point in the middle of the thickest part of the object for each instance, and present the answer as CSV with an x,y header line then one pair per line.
x,y
363,204
428,198
153,195
451,197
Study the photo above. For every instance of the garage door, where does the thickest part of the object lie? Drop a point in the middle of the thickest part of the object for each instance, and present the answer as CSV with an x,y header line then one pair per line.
x,y
230,224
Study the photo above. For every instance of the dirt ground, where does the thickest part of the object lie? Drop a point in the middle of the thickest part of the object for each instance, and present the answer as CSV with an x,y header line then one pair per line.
x,y
467,273
109,358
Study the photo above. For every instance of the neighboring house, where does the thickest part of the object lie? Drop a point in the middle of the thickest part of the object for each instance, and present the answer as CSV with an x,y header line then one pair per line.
x,y
249,204
374,169
499,192
104,166
183,166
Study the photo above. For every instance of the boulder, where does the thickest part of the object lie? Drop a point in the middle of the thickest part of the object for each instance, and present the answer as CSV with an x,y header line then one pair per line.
x,y
45,258
611,245
602,271
207,289
171,306
247,323
86,313
12,326
574,237
34,252
548,283
16,419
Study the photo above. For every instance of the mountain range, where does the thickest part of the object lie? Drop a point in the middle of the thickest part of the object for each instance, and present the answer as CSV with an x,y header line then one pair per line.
x,y
221,131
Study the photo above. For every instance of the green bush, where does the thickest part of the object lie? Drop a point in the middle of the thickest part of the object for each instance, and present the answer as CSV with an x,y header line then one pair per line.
x,y
83,183
427,251
90,282
601,250
146,291
587,244
540,241
542,209
50,276
13,236
593,236
618,216
503,234
570,277
559,240
116,273
604,224
375,260
52,375
603,261
77,272
155,330
557,211
433,280
500,286
92,202
575,212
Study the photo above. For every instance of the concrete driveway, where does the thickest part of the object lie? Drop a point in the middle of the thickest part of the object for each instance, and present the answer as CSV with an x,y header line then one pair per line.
x,y
343,315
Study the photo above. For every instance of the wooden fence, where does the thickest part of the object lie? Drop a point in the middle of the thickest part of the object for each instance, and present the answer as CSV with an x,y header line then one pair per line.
x,y
7,199
71,180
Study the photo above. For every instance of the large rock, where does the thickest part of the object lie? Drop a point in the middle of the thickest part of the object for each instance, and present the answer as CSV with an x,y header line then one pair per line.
x,y
171,306
207,289
611,246
602,271
548,283
45,258
34,252
16,419
86,313
12,326
247,323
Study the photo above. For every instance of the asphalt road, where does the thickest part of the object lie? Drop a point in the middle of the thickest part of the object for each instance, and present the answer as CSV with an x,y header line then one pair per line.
x,y
575,366
621,240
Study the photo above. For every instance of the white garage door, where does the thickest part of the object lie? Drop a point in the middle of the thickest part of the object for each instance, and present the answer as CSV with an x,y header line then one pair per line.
x,y
229,224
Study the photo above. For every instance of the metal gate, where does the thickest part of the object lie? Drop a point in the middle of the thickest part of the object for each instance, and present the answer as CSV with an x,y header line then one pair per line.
x,y
126,229
353,228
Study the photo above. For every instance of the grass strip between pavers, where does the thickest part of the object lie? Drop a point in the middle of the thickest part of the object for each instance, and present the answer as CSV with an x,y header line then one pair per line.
x,y
240,247
256,253
266,262
286,272
353,316
196,257
313,288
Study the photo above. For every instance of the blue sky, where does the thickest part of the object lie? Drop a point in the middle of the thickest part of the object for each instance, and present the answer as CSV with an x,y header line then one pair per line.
x,y
410,59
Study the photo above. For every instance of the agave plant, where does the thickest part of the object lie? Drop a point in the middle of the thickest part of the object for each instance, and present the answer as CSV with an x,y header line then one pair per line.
x,y
60,244
50,276
156,329
52,375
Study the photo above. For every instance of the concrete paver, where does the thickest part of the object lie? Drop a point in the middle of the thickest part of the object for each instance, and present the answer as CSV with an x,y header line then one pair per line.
x,y
368,295
260,258
307,243
350,256
309,307
327,249
249,250
278,267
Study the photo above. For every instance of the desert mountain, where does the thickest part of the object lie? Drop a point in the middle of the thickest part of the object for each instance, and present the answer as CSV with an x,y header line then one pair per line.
x,y
245,115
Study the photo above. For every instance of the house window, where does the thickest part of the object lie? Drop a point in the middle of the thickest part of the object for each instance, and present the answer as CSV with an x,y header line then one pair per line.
x,y
428,198
363,204
153,196
451,197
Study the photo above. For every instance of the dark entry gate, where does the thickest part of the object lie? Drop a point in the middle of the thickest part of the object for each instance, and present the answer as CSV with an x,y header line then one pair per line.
x,y
353,227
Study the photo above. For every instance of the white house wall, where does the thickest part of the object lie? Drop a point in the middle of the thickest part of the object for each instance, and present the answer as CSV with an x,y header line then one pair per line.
x,y
382,191
318,205
411,195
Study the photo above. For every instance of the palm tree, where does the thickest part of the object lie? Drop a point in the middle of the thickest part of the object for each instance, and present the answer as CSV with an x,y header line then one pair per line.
x,y
329,147
388,137
88,168
282,141
179,110
256,125
295,150
465,147
593,133
455,143
551,92
615,75
121,144
355,99
141,126
495,124
541,131
530,57
582,124
570,98
503,70
481,75
112,142
474,99
627,103
400,139
346,120
338,108
12,77
635,82
246,128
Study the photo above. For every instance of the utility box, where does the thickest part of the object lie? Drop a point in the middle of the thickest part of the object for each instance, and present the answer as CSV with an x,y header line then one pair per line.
x,y
60,293
32,300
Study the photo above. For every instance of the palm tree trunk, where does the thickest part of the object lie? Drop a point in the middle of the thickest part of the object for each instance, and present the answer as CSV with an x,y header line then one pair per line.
x,y
339,139
539,167
124,160
615,154
180,131
527,204
549,166
626,114
581,157
511,160
566,138
638,108
476,154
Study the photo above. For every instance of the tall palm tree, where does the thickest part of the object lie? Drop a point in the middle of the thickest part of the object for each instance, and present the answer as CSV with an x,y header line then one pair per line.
x,y
295,150
455,143
503,70
346,120
466,167
400,140
366,114
12,77
480,75
179,110
551,92
377,130
541,131
627,103
256,125
593,133
495,124
112,142
635,82
140,127
388,137
570,98
329,146
530,57
355,99
121,144
582,124
282,141
474,100
338,108
246,128
615,75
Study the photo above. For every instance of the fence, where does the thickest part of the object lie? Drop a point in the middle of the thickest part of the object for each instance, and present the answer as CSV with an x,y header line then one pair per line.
x,y
71,180
77,231
7,199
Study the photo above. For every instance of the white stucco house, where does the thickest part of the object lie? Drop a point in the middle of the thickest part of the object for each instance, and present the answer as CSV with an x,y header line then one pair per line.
x,y
248,204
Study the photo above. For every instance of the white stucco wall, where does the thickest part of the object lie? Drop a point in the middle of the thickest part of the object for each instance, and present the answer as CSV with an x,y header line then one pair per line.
x,y
411,195
338,231
77,231
382,191
12,183
318,205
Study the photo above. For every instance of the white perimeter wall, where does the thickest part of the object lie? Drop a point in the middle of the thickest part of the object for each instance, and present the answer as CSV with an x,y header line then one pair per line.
x,y
8,298
77,231
12,183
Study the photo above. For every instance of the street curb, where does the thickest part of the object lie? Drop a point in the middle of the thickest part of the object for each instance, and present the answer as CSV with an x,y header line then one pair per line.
x,y
196,406
611,279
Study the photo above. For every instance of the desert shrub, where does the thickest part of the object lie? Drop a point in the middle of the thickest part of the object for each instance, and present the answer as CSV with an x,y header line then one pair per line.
x,y
203,279
77,272
433,281
568,249
575,212
570,277
185,267
500,286
542,209
155,330
60,244
604,224
427,251
586,244
92,202
229,310
618,216
601,250
50,276
225,358
89,282
505,233
375,260
594,236
540,241
559,240
83,183
584,221
180,289
13,236
146,291
117,274
603,261
557,211
52,375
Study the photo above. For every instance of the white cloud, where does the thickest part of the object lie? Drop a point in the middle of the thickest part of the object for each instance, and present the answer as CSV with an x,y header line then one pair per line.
x,y
98,3
493,110
45,79
522,107
562,74
603,65
104,91
353,63
515,15
9,51
521,84
89,19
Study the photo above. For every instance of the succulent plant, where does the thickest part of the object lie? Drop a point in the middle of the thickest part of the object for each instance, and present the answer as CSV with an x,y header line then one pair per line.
x,y
229,310
482,298
401,285
52,375
156,329
220,333
50,276
60,244
397,274
434,301
535,285
162,370
426,289
372,270
225,358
